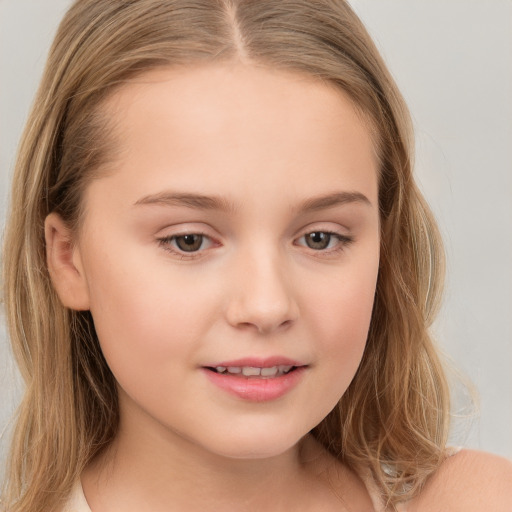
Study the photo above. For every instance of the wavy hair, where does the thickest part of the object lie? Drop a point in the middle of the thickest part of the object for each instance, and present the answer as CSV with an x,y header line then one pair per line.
x,y
392,422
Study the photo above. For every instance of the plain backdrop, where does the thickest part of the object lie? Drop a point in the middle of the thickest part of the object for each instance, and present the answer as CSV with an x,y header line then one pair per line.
x,y
452,60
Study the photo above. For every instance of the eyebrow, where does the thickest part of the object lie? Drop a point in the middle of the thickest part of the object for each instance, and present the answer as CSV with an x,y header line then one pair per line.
x,y
197,201
332,200
203,202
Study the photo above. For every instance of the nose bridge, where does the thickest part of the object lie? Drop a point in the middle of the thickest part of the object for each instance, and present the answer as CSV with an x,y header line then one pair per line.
x,y
262,295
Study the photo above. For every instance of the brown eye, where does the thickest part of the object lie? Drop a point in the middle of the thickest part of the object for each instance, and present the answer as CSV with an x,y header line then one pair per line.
x,y
188,243
318,240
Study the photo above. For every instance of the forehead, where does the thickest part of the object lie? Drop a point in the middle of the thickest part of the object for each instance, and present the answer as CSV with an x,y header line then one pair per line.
x,y
244,127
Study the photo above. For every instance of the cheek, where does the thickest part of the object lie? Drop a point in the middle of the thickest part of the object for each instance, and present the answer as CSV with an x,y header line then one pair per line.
x,y
146,314
341,319
343,327
344,304
128,290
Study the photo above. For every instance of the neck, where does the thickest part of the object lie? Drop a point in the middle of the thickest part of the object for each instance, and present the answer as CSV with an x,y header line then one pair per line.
x,y
152,468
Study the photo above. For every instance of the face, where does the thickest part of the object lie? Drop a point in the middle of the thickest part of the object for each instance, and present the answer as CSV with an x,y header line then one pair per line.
x,y
230,258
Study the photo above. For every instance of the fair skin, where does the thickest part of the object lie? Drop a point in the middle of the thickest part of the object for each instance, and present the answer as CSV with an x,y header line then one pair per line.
x,y
285,157
277,265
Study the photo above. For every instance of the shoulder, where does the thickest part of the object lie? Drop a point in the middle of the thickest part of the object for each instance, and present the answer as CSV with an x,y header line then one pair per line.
x,y
468,481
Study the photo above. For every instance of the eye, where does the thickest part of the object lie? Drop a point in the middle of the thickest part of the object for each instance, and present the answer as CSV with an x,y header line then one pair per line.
x,y
322,240
186,243
318,240
189,243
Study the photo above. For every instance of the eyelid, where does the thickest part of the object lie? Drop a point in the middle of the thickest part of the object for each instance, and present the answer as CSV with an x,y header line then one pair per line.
x,y
344,239
165,241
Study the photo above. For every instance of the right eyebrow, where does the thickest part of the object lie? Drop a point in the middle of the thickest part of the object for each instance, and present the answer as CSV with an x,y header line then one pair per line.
x,y
188,200
332,200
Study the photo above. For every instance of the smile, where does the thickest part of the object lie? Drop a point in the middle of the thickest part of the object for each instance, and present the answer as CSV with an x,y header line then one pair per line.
x,y
256,380
254,371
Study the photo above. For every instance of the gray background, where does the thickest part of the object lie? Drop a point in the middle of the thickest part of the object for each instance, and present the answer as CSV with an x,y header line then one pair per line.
x,y
453,61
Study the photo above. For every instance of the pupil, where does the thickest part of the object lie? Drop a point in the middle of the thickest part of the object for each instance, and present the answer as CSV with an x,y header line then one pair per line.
x,y
318,240
189,243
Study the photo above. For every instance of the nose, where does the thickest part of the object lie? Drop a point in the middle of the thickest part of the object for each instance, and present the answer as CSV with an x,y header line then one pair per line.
x,y
262,296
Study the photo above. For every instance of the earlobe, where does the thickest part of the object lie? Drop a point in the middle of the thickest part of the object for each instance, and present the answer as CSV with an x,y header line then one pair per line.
x,y
65,264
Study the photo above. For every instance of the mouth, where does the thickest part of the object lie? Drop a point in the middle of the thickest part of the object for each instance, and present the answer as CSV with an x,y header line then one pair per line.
x,y
255,379
254,371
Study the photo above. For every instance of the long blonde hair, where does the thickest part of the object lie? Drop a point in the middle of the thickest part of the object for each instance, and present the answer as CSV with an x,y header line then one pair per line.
x,y
393,419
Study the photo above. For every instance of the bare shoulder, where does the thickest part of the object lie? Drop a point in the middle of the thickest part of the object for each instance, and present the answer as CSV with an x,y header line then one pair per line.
x,y
468,481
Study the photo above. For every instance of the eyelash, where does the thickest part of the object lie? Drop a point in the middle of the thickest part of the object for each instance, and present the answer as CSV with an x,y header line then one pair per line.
x,y
166,243
343,242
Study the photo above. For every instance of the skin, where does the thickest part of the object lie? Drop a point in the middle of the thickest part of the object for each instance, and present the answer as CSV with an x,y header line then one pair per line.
x,y
266,142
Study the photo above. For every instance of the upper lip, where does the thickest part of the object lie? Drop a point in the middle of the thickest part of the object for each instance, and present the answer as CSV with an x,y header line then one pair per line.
x,y
257,362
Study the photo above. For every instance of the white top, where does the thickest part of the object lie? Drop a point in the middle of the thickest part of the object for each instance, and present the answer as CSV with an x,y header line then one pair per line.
x,y
77,501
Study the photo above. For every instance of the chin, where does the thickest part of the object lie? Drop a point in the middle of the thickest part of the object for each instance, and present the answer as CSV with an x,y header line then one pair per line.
x,y
255,444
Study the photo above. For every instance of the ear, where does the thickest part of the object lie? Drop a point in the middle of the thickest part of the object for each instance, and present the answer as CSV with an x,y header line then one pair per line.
x,y
65,264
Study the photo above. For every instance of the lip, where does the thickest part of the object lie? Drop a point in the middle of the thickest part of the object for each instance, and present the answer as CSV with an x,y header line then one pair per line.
x,y
257,362
256,389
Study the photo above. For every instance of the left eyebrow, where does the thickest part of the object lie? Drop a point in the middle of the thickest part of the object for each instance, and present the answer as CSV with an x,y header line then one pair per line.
x,y
197,201
332,200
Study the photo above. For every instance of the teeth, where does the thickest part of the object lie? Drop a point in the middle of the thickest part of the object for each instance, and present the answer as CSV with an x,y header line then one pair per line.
x,y
251,371
269,372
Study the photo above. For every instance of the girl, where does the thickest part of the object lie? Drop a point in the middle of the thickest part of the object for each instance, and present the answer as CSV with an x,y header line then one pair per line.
x,y
219,273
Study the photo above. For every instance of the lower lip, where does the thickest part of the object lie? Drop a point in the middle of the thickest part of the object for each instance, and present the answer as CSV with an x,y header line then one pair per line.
x,y
256,389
